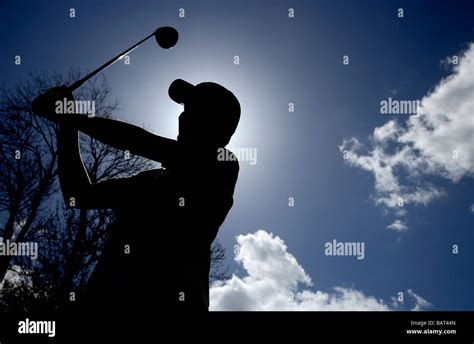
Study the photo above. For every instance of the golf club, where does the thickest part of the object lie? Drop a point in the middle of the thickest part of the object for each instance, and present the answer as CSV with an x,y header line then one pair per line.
x,y
165,36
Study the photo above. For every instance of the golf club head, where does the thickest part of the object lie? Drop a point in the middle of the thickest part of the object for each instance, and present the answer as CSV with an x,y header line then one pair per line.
x,y
166,37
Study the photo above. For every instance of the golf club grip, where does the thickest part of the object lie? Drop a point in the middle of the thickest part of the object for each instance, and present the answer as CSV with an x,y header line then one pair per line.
x,y
79,82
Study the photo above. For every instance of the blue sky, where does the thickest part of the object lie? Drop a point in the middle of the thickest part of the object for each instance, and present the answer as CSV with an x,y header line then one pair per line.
x,y
285,60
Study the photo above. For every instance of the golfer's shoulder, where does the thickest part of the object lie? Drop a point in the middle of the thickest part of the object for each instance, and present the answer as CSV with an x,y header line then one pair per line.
x,y
227,168
227,159
231,167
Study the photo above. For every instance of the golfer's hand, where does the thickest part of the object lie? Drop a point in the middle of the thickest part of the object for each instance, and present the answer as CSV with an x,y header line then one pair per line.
x,y
45,105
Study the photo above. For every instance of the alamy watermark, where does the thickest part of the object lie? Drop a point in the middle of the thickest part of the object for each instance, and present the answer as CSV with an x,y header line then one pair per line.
x,y
342,248
11,248
241,154
83,107
399,107
28,326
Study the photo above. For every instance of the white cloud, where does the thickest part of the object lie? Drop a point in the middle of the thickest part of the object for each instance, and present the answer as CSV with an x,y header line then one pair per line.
x,y
398,226
438,141
388,131
384,167
471,208
420,303
276,281
447,125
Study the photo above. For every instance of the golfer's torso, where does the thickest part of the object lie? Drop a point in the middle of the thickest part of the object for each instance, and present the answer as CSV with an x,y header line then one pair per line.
x,y
164,234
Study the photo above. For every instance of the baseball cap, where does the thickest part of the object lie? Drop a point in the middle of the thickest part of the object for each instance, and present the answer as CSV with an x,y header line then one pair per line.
x,y
217,104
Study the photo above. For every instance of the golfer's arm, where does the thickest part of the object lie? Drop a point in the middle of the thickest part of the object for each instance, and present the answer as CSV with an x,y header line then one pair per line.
x,y
73,177
125,136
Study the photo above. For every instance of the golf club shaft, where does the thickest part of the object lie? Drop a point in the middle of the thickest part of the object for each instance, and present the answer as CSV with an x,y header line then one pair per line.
x,y
79,82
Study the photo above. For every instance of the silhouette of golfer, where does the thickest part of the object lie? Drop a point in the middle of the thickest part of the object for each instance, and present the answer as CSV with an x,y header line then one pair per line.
x,y
158,251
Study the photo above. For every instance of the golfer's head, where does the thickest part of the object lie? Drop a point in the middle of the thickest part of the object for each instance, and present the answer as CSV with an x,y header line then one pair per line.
x,y
211,112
